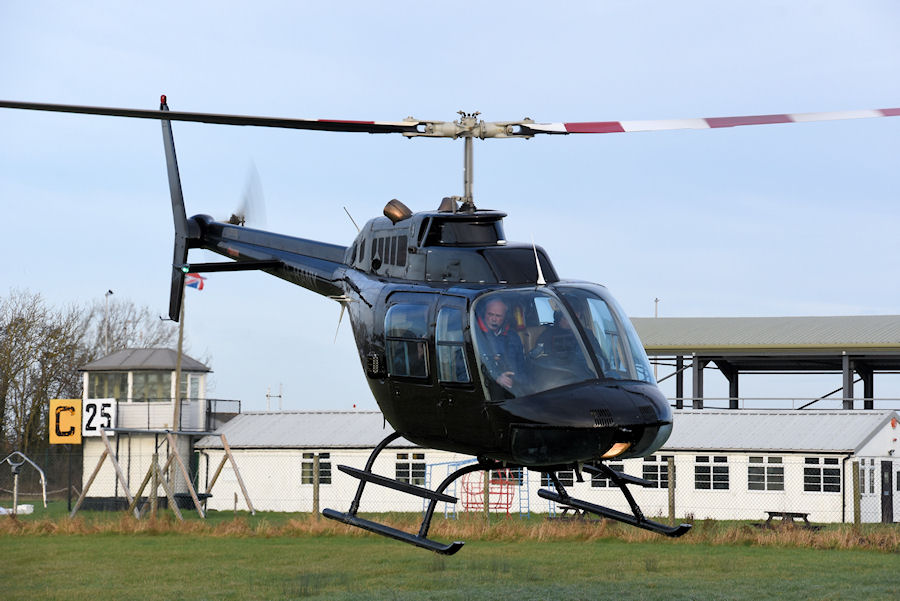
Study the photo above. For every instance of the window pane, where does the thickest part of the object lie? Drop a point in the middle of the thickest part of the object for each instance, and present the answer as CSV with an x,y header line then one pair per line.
x,y
152,386
108,386
417,474
720,477
598,481
775,477
831,481
407,358
452,366
755,478
401,251
701,477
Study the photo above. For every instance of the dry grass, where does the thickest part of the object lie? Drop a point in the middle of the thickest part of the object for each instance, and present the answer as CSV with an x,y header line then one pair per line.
x,y
471,527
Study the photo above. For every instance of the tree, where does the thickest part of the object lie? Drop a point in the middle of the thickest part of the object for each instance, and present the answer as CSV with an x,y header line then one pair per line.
x,y
42,349
38,348
124,325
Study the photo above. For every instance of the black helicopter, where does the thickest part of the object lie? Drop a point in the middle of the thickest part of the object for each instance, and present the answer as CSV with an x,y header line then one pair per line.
x,y
470,343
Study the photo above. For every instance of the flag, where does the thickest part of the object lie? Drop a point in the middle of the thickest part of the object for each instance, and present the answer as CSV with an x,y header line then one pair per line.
x,y
194,280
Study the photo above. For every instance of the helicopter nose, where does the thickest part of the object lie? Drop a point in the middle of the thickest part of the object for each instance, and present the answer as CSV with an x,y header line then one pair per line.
x,y
588,422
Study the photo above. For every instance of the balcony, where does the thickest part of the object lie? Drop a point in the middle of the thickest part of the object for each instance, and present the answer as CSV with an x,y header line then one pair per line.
x,y
197,415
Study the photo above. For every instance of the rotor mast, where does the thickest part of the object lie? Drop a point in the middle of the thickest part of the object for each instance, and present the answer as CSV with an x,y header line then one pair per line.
x,y
468,203
467,127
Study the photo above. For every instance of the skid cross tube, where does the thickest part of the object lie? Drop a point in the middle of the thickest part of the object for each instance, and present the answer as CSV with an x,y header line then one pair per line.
x,y
621,480
475,467
434,496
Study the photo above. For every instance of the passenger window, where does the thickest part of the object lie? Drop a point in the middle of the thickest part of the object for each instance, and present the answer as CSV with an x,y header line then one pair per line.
x,y
405,327
401,251
451,353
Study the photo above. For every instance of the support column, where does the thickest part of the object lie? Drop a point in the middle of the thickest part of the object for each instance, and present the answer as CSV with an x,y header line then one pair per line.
x,y
679,382
731,374
868,378
847,369
697,392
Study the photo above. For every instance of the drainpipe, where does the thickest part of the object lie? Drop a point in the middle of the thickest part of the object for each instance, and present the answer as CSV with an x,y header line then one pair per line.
x,y
844,488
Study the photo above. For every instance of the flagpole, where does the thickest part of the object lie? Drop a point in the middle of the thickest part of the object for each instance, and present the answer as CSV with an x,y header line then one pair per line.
x,y
176,423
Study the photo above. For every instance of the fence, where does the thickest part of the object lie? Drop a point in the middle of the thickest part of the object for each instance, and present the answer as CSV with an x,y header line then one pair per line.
x,y
62,466
821,488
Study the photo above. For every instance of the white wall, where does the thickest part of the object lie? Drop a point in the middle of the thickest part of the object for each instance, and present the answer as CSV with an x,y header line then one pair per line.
x,y
273,479
135,455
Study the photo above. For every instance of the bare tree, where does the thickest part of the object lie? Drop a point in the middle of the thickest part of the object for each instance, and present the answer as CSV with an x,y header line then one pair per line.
x,y
40,352
125,325
42,349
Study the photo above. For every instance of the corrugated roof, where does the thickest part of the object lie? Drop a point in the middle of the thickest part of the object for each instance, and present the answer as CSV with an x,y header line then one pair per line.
x,y
144,359
788,431
735,430
304,429
743,333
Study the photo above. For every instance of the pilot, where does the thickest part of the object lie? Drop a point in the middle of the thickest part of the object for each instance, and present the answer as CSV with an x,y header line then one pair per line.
x,y
502,352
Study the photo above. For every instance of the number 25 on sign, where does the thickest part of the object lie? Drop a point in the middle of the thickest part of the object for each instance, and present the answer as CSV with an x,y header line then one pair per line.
x,y
98,414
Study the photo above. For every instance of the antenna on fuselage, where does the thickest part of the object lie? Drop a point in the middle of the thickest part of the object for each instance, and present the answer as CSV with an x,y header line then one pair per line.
x,y
352,220
537,262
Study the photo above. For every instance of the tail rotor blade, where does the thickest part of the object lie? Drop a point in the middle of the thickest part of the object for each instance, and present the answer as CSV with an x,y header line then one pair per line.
x,y
253,203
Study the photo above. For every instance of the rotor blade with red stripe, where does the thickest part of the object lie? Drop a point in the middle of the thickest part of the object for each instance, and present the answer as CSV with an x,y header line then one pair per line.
x,y
372,127
610,127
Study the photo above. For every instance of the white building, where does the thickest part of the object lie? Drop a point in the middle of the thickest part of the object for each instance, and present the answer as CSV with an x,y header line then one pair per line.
x,y
728,465
141,383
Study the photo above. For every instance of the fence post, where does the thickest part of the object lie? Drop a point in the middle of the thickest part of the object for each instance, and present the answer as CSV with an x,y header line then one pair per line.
x,y
670,465
316,485
487,494
857,511
154,485
69,480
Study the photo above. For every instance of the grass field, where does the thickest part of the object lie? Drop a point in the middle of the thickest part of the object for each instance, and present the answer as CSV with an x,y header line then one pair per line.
x,y
278,556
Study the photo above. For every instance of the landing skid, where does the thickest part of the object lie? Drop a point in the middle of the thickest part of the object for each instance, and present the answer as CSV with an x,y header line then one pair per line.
x,y
434,496
621,480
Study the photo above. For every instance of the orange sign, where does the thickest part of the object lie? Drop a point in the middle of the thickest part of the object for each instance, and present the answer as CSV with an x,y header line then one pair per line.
x,y
65,421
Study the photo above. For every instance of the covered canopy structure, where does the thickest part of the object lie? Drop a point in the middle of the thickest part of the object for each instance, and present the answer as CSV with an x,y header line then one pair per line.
x,y
856,346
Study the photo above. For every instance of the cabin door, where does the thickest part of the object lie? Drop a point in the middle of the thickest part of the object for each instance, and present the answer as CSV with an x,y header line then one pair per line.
x,y
462,404
410,366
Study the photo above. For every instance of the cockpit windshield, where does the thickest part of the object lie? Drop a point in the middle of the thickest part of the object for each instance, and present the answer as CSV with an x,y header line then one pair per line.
x,y
532,340
613,339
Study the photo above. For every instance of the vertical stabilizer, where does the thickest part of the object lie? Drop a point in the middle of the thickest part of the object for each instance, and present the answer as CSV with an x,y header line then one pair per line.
x,y
183,229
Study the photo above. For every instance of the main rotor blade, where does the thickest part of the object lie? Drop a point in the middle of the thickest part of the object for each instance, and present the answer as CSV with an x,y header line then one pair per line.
x,y
613,127
460,129
372,127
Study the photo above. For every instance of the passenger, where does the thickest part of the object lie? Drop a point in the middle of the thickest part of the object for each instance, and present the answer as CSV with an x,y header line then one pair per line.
x,y
501,351
558,340
558,345
409,358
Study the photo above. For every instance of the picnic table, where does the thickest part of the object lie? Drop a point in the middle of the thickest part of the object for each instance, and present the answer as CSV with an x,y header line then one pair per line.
x,y
787,517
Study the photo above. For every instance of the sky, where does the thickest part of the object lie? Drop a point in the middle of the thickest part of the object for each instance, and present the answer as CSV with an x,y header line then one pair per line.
x,y
796,219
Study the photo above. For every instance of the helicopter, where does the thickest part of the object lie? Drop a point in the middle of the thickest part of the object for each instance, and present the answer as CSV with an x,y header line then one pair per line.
x,y
469,342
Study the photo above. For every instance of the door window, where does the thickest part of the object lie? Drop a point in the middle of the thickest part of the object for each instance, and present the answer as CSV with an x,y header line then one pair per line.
x,y
405,327
451,350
